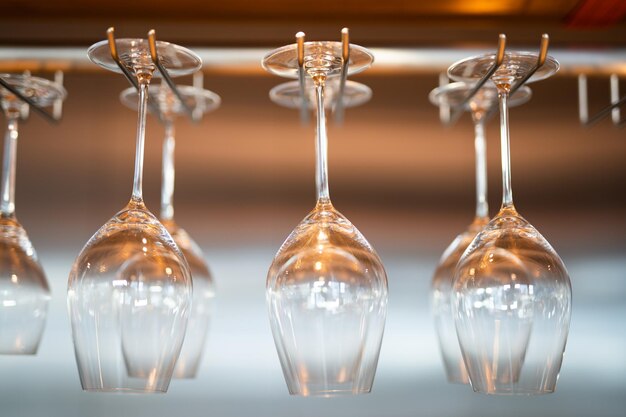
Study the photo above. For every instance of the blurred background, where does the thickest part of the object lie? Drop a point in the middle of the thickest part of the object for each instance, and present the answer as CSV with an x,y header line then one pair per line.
x,y
245,178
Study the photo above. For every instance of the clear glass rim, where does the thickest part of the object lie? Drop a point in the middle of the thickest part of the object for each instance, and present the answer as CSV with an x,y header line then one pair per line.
x,y
292,71
107,61
125,390
516,391
53,90
549,68
332,393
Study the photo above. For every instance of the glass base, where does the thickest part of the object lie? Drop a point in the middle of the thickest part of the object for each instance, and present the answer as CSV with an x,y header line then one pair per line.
x,y
454,94
177,60
288,94
41,91
515,66
318,56
196,98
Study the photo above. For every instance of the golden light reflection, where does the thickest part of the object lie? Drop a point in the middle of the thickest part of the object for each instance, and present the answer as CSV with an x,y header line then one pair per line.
x,y
484,7
343,375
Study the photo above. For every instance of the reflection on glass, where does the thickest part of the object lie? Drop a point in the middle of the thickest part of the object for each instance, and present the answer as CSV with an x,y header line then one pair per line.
x,y
326,288
24,291
452,95
129,291
512,293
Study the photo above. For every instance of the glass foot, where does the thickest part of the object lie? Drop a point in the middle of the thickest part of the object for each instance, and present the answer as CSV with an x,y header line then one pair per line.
x,y
288,94
454,94
318,56
41,91
132,52
514,67
168,102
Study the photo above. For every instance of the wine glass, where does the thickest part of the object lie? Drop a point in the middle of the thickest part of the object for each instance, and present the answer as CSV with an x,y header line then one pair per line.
x,y
24,291
289,95
453,95
129,291
512,293
203,287
326,287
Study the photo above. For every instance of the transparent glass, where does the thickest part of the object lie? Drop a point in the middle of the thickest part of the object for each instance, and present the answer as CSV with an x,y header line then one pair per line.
x,y
441,289
177,60
24,290
202,306
203,286
317,55
512,294
288,94
326,292
129,291
196,98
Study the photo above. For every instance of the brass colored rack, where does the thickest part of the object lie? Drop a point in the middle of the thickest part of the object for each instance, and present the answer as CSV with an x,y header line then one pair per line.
x,y
450,115
154,55
338,109
613,108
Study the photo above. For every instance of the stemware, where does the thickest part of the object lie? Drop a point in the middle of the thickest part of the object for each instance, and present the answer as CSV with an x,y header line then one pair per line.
x,y
326,287
203,286
512,293
24,290
453,95
129,291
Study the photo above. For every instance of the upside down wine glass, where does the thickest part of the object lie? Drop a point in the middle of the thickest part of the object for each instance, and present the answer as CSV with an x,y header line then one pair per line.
x,y
326,288
24,291
453,95
129,291
512,294
203,288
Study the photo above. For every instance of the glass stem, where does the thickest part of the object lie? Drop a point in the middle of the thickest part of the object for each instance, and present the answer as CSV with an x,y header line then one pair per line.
x,y
144,81
480,147
321,145
507,191
167,180
7,206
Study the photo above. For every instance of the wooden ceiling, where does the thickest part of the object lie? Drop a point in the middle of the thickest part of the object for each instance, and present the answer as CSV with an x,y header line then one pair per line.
x,y
272,22
276,8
